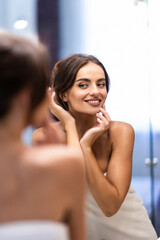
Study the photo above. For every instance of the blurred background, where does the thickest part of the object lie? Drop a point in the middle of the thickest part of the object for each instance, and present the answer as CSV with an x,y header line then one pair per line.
x,y
125,36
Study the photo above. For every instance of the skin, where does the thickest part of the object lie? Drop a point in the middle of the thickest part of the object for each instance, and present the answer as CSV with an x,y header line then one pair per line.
x,y
40,182
107,145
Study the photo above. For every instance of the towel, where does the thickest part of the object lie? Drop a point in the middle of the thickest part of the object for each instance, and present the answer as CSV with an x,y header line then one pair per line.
x,y
131,222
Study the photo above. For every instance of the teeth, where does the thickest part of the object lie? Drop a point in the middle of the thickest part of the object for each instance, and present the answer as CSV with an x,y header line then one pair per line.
x,y
93,101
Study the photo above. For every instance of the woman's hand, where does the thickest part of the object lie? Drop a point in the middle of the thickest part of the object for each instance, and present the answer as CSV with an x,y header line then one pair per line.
x,y
67,121
103,123
54,133
64,116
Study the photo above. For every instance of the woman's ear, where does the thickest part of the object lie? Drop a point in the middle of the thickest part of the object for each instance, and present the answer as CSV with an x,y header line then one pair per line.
x,y
63,96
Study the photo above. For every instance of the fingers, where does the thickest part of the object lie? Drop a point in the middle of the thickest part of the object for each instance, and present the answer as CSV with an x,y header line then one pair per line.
x,y
99,120
105,114
54,107
104,120
52,96
51,93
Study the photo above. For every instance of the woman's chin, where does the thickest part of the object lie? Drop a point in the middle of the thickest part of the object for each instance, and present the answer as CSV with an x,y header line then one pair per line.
x,y
92,113
85,111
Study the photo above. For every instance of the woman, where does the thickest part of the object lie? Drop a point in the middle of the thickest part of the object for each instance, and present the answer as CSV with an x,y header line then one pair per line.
x,y
39,198
81,85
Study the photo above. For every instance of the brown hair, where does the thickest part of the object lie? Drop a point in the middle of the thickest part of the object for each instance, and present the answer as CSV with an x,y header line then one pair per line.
x,y
65,71
23,64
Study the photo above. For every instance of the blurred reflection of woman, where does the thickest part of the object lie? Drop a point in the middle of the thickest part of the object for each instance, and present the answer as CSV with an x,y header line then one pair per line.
x,y
39,197
81,85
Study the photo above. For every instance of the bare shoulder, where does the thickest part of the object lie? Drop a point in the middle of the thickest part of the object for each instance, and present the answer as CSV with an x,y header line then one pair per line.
x,y
56,170
39,132
121,130
67,158
55,158
53,133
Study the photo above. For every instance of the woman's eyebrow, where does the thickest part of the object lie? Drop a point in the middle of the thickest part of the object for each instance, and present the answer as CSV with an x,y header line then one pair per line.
x,y
101,79
83,79
87,80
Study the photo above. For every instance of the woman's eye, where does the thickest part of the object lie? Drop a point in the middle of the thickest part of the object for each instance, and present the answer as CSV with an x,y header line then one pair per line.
x,y
101,84
82,85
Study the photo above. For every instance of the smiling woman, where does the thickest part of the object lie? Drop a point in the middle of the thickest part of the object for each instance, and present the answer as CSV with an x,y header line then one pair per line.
x,y
81,85
68,76
88,92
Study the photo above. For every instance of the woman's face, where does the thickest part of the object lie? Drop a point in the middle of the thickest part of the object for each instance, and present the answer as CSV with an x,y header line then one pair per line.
x,y
89,91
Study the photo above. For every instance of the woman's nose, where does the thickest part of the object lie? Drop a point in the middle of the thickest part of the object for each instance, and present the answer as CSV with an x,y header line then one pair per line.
x,y
94,90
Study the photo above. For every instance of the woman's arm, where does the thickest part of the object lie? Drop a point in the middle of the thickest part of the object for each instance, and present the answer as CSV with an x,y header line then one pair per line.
x,y
67,121
110,191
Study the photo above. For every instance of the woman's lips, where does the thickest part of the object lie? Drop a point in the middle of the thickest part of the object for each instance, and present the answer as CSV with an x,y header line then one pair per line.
x,y
93,102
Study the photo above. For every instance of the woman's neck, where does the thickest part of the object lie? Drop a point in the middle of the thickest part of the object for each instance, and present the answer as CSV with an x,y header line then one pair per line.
x,y
84,122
